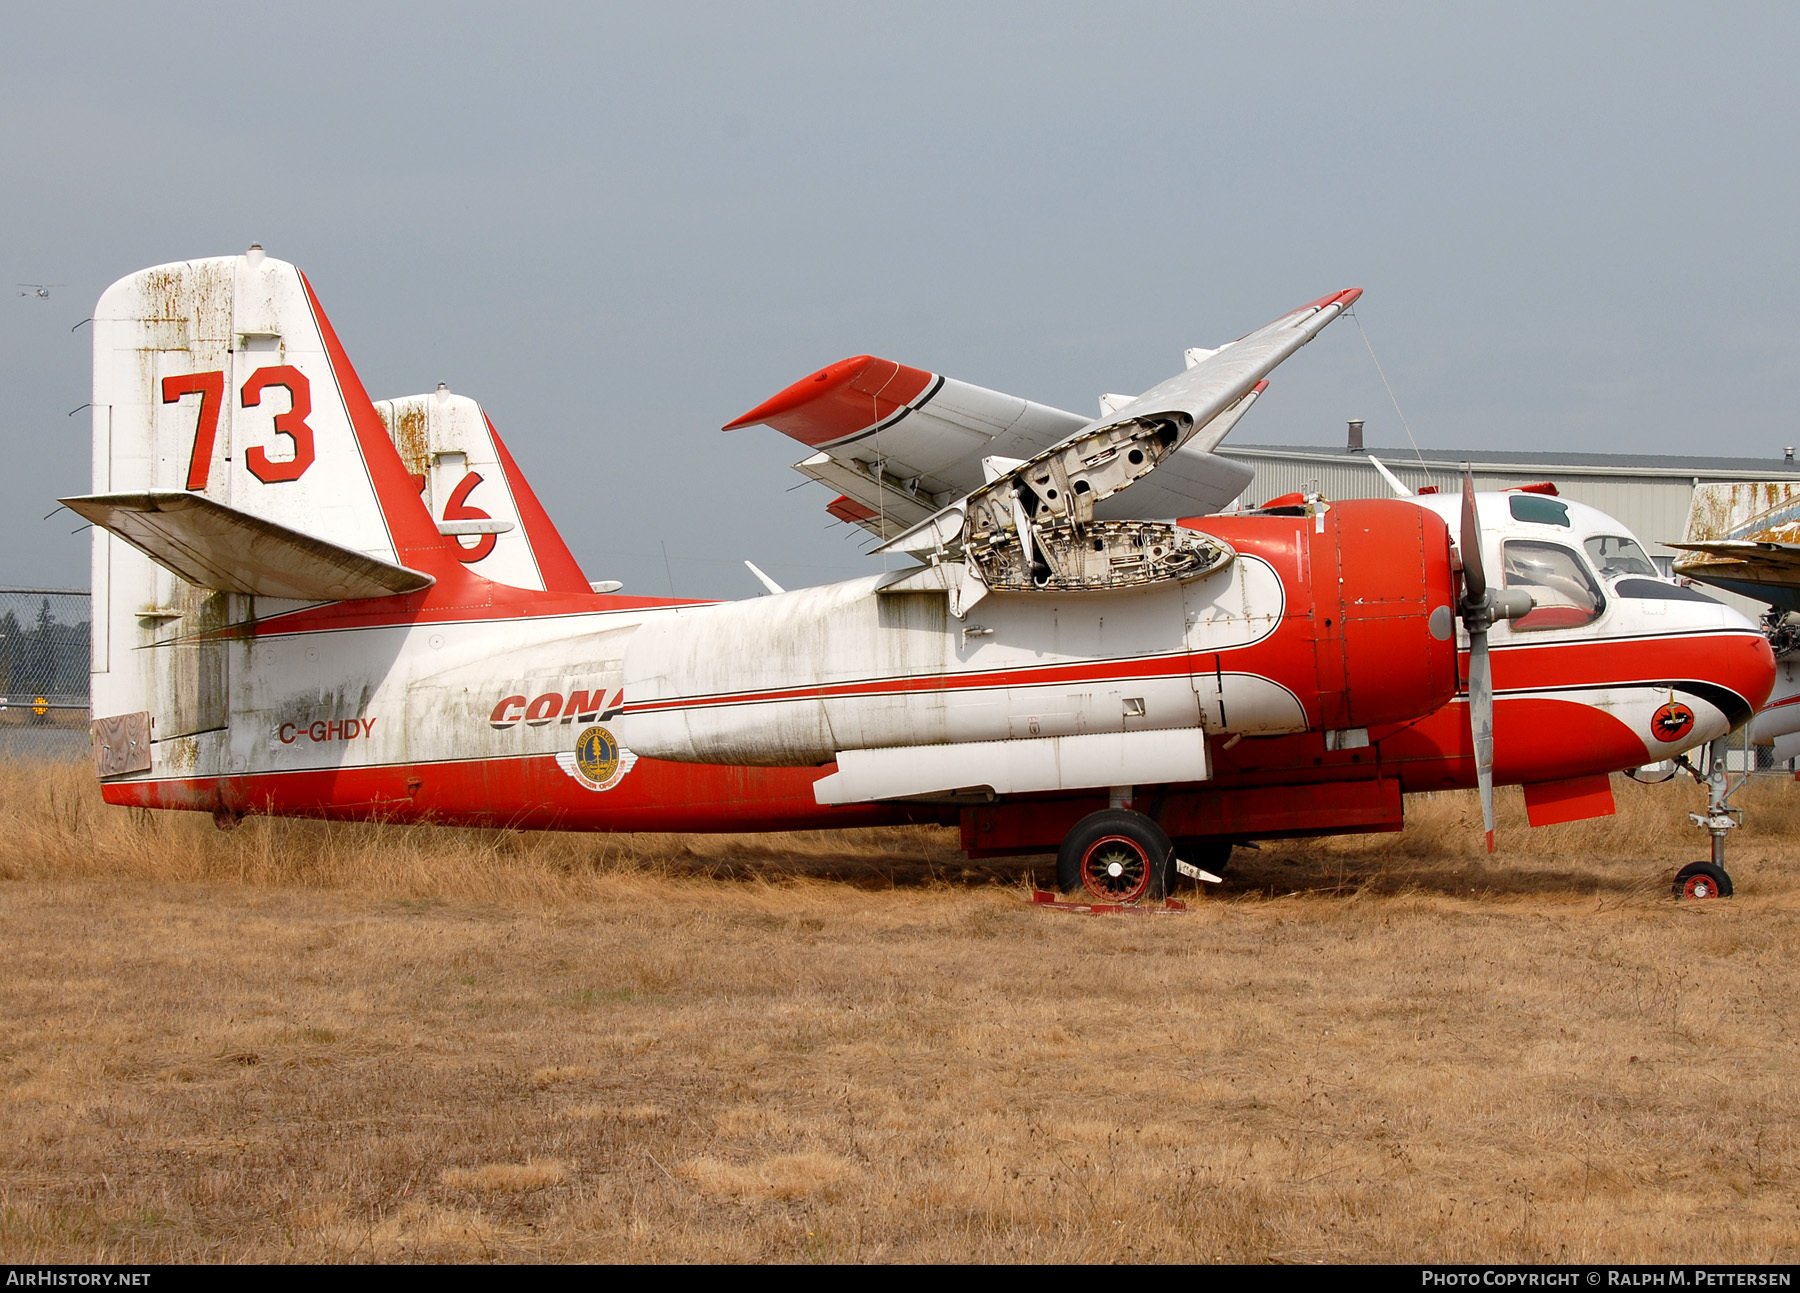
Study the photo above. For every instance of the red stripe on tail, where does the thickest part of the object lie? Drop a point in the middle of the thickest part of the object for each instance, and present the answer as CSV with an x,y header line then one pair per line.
x,y
561,572
416,539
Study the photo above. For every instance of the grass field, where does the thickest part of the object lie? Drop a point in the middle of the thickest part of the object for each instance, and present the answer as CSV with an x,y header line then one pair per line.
x,y
349,1043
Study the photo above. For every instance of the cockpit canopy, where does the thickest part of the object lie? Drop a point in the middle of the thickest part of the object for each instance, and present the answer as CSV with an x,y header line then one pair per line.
x,y
1570,557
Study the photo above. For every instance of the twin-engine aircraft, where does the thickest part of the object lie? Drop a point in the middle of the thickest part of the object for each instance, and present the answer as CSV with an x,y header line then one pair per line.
x,y
307,602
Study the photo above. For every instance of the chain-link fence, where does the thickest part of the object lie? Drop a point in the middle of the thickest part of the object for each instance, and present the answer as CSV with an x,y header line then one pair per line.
x,y
44,654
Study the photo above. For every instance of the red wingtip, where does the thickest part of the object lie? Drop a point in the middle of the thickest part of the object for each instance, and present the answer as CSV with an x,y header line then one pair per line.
x,y
1260,387
1345,298
838,400
803,392
1490,838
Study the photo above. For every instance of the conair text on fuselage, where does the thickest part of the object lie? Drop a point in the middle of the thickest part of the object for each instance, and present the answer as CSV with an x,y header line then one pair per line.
x,y
551,706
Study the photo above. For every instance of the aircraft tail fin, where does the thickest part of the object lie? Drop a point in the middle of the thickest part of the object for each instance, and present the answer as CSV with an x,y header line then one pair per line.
x,y
223,378
470,484
236,456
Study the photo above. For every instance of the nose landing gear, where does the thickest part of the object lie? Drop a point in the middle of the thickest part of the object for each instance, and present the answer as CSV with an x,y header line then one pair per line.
x,y
1709,879
1702,880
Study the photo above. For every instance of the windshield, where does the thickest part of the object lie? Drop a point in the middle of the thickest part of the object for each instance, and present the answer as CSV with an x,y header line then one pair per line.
x,y
1558,582
1614,555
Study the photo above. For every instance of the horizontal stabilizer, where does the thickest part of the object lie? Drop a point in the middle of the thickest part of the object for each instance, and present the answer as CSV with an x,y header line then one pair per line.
x,y
214,546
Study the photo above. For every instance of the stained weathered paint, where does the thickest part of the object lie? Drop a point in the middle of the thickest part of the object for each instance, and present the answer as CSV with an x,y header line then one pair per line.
x,y
447,444
1758,511
415,680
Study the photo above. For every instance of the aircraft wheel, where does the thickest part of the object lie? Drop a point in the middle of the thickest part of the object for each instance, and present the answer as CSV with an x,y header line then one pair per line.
x,y
1702,880
1116,855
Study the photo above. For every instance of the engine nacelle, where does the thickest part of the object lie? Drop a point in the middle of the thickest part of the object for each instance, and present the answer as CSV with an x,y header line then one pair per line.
x,y
1372,581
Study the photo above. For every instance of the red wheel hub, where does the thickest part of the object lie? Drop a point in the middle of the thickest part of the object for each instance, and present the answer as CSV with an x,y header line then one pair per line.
x,y
1700,886
1116,869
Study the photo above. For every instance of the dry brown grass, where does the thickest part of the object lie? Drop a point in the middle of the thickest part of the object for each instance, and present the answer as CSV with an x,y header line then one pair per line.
x,y
342,1043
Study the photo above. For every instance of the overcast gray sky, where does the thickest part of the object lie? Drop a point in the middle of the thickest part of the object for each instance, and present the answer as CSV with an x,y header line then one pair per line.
x,y
620,227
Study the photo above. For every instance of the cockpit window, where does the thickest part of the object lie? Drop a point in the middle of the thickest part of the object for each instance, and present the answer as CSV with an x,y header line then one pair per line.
x,y
1538,509
1558,582
1614,555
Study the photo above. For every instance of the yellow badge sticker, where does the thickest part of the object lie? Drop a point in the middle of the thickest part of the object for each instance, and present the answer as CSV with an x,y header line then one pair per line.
x,y
598,761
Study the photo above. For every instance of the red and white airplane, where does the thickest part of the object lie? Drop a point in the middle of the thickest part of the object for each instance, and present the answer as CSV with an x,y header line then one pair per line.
x,y
310,603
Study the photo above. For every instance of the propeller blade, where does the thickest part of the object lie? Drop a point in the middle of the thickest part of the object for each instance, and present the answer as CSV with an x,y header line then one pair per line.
x,y
1474,577
1478,611
1481,727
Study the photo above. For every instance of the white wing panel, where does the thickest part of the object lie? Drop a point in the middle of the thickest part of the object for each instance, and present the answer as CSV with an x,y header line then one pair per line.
x,y
922,433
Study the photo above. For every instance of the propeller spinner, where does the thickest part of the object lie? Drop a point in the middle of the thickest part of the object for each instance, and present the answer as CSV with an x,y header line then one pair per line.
x,y
1481,606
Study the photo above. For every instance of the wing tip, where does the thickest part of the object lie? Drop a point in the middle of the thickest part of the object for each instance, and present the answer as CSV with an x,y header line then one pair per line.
x,y
842,399
1345,298
807,389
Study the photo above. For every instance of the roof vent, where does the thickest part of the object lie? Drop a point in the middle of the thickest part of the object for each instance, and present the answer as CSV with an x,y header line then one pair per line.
x,y
1356,444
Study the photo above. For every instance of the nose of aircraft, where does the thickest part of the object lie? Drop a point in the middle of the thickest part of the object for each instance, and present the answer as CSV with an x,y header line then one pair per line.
x,y
1736,658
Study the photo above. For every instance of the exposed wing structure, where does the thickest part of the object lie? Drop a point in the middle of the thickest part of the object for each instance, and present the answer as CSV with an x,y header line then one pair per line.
x,y
899,444
1022,497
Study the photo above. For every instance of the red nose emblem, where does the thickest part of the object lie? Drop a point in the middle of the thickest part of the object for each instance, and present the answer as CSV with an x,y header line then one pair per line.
x,y
1672,722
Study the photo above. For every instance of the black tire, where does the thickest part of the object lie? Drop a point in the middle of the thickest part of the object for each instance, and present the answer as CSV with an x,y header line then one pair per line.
x,y
1115,838
1702,880
1208,852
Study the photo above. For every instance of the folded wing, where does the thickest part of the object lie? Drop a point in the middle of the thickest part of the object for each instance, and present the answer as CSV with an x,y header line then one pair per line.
x,y
1047,504
906,448
897,442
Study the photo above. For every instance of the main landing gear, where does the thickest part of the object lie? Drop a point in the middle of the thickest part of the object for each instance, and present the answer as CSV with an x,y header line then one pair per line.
x,y
1708,879
1120,856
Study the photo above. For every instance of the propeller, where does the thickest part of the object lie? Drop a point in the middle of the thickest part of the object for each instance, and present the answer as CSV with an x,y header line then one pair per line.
x,y
1481,606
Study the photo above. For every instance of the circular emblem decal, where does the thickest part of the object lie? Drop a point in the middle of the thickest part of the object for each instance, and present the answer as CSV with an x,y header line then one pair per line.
x,y
597,755
598,761
1672,722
